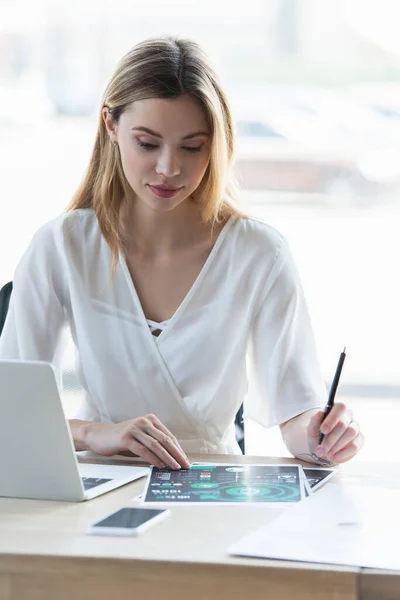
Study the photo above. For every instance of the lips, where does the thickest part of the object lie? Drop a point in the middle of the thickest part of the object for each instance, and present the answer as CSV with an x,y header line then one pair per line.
x,y
165,187
164,191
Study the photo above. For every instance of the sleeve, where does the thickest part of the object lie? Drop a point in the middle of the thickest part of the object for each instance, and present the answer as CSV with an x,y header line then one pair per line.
x,y
35,319
283,370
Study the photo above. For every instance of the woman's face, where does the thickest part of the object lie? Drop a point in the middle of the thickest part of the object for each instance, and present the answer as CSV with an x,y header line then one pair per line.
x,y
165,149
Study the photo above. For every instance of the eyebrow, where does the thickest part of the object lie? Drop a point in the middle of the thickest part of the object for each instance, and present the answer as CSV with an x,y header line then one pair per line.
x,y
187,137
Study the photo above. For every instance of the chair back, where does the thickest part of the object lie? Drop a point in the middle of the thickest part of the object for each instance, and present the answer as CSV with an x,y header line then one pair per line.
x,y
5,295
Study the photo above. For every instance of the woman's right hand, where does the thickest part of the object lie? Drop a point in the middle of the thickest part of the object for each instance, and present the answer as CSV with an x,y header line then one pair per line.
x,y
144,436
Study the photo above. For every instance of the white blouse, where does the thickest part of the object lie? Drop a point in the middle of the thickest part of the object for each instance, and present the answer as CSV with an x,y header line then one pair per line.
x,y
243,330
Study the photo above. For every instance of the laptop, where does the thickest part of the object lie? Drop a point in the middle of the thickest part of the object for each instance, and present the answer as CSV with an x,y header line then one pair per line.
x,y
37,453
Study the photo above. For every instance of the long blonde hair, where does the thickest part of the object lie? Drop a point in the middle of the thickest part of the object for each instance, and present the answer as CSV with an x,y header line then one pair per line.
x,y
163,67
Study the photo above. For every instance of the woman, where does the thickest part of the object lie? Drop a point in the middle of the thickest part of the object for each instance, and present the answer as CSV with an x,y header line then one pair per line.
x,y
167,286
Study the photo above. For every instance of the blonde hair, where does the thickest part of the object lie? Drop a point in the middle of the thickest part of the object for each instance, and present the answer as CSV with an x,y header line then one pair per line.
x,y
163,67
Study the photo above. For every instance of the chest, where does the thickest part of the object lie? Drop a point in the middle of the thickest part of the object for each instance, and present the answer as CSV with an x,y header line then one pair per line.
x,y
163,283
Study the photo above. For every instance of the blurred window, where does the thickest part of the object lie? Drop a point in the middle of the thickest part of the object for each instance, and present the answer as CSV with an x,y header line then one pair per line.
x,y
255,129
315,96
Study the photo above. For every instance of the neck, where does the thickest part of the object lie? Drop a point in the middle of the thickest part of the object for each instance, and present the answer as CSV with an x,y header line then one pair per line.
x,y
152,233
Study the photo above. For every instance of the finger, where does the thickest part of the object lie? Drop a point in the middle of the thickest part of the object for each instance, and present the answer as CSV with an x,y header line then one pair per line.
x,y
167,432
350,450
167,443
337,413
331,439
314,424
145,453
157,423
156,447
349,435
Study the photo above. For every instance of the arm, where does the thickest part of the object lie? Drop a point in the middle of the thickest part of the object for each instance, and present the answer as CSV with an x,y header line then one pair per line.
x,y
285,376
290,388
144,436
79,431
35,318
32,331
295,435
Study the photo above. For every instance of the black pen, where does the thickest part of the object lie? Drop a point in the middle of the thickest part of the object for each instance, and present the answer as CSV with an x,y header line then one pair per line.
x,y
332,393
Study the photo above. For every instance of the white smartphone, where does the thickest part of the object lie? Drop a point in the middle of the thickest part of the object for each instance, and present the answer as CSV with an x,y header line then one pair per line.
x,y
128,521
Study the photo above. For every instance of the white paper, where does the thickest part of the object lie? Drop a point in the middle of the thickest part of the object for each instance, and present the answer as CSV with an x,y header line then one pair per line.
x,y
305,484
343,525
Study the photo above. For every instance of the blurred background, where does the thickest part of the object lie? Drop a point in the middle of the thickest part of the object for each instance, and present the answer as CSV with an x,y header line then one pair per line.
x,y
315,91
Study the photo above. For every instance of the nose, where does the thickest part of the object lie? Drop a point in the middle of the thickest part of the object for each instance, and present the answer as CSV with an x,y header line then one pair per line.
x,y
168,164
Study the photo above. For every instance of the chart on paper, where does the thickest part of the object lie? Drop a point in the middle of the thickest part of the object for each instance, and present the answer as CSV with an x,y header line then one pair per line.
x,y
225,483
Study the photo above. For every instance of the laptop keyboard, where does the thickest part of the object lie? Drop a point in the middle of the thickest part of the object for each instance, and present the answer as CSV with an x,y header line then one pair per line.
x,y
91,482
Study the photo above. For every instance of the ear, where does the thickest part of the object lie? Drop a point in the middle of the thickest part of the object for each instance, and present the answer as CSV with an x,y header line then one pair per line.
x,y
109,124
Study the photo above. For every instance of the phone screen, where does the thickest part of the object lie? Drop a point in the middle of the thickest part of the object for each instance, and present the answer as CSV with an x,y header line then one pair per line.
x,y
129,518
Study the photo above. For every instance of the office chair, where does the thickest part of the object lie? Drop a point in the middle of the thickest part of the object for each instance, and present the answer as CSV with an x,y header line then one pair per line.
x,y
5,295
239,428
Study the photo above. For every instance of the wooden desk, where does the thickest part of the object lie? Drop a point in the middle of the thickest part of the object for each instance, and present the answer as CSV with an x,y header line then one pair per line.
x,y
379,585
45,554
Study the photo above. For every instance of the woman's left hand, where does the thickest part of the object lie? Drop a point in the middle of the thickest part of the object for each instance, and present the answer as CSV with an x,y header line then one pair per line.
x,y
342,436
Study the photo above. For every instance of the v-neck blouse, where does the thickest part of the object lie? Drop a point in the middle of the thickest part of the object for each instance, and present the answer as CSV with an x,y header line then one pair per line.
x,y
242,333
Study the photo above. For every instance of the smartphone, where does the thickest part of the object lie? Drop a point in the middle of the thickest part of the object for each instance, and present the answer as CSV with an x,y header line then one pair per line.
x,y
128,521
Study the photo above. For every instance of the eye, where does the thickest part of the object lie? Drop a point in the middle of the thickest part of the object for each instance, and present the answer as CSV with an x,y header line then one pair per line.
x,y
146,146
192,148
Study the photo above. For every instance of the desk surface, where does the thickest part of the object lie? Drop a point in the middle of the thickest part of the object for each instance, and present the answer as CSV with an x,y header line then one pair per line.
x,y
45,554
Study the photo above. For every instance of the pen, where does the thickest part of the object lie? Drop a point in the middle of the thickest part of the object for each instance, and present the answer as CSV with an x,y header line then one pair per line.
x,y
331,398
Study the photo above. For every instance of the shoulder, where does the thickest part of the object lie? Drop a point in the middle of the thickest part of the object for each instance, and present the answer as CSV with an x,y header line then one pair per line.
x,y
254,236
59,230
263,251
48,244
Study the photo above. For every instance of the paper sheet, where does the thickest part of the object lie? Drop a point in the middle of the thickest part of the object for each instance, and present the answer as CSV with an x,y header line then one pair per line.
x,y
311,479
343,525
220,483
